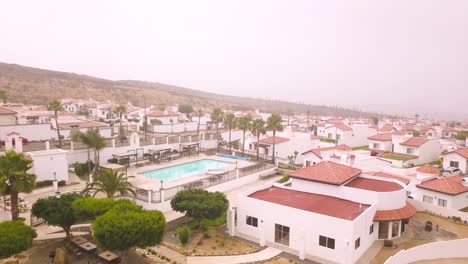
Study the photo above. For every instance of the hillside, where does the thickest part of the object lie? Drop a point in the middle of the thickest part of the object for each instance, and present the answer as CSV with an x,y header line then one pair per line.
x,y
38,86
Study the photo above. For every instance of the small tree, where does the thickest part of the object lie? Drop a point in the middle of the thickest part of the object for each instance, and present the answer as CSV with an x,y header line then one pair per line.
x,y
186,109
55,106
86,209
183,233
200,204
245,124
57,211
416,133
231,123
15,237
120,110
375,120
126,226
274,123
258,128
110,183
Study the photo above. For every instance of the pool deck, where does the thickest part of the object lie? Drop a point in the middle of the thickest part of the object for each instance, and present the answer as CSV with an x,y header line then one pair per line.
x,y
143,182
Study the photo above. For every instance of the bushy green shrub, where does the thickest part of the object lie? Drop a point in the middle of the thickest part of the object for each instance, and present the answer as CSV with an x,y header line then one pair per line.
x,y
184,232
82,169
62,183
43,183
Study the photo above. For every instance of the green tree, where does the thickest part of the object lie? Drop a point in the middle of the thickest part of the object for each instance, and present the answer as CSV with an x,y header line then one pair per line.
x,y
200,204
230,122
274,123
57,210
97,142
416,133
124,227
3,96
110,183
245,123
85,139
15,237
120,110
56,107
199,113
217,116
184,232
88,208
258,128
15,179
186,109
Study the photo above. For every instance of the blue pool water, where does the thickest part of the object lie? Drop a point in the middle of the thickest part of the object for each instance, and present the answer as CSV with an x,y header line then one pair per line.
x,y
185,169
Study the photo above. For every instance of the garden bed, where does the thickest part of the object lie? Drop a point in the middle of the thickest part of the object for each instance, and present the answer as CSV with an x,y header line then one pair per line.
x,y
216,244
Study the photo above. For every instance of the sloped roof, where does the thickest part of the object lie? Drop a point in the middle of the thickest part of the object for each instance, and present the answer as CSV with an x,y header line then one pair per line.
x,y
389,176
461,151
397,214
381,137
273,140
342,127
6,111
374,185
318,151
449,185
415,142
427,168
326,172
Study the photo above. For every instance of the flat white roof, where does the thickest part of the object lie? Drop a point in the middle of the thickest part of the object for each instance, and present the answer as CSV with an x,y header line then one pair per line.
x,y
47,152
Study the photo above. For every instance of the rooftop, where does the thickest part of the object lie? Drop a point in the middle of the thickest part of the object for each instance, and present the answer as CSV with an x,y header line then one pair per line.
x,y
316,203
389,175
461,151
273,140
374,185
326,172
84,124
395,214
381,137
318,151
428,168
415,142
451,185
6,111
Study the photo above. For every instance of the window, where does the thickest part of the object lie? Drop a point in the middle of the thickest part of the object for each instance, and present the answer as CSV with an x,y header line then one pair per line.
x,y
410,150
442,202
307,163
327,242
427,199
338,136
357,243
282,234
454,164
252,221
371,229
408,193
376,146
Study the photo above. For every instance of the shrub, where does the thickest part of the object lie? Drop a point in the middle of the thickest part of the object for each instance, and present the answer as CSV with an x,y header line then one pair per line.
x,y
184,232
388,243
81,169
43,183
62,183
206,235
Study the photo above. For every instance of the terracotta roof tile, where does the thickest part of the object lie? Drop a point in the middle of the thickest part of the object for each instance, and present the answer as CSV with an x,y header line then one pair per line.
x,y
318,151
449,185
415,142
396,214
381,137
316,203
386,128
6,111
461,151
327,172
374,185
388,175
428,168
275,140
342,127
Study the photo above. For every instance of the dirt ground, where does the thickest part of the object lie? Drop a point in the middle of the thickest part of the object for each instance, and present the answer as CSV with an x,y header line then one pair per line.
x,y
460,230
444,261
218,245
279,261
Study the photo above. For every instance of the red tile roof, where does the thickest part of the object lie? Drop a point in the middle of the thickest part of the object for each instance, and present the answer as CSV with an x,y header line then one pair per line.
x,y
388,175
407,127
86,124
275,140
326,172
415,142
381,137
374,185
396,214
159,113
342,127
386,128
318,151
462,152
315,203
450,129
6,111
449,185
427,168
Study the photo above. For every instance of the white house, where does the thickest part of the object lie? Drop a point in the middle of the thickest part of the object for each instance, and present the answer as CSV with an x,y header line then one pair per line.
x,y
381,142
7,116
458,159
316,155
353,136
50,164
165,117
447,192
425,150
330,212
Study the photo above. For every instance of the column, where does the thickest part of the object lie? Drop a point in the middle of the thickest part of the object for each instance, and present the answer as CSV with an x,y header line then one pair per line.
x,y
261,230
47,144
113,143
237,173
72,145
162,194
231,222
400,223
150,194
154,141
390,227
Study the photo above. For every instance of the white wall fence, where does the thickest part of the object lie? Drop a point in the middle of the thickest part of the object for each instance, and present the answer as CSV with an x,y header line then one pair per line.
x,y
438,250
438,210
176,127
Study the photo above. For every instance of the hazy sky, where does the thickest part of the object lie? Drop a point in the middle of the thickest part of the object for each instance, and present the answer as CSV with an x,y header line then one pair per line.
x,y
397,56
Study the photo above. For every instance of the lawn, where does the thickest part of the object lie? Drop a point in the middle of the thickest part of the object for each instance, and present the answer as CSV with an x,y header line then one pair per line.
x,y
395,156
464,209
366,147
328,140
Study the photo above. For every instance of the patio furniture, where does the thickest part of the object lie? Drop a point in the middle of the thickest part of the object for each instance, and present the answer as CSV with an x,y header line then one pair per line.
x,y
109,257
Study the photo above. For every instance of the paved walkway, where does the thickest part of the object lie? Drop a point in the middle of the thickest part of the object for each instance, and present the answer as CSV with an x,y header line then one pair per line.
x,y
265,254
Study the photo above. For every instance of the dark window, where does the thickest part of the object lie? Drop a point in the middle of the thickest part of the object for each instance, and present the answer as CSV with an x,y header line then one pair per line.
x,y
282,234
454,164
327,242
252,221
357,243
371,229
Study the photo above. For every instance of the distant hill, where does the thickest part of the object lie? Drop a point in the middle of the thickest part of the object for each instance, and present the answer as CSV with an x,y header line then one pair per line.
x,y
38,86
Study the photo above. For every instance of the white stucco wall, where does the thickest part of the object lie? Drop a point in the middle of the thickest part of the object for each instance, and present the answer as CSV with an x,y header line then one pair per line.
x,y
33,132
46,162
453,201
462,162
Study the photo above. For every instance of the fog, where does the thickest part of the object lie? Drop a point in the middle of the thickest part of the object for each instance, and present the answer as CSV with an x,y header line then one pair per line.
x,y
395,56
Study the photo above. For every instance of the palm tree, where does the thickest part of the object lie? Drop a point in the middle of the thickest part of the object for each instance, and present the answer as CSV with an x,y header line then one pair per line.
x,y
231,123
120,110
217,116
56,106
245,124
97,142
110,183
274,123
3,96
15,179
258,128
199,114
86,140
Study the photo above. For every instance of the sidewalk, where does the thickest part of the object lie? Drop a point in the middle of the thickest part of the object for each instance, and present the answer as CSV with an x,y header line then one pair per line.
x,y
265,254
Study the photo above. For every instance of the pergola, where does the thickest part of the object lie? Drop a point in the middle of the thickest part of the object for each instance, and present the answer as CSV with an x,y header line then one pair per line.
x,y
188,147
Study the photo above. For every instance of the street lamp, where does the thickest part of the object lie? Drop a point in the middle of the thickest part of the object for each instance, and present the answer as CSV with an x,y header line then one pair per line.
x,y
55,183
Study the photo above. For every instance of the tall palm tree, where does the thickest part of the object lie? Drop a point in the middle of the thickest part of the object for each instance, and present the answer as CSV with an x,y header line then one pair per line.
x,y
110,183
230,122
245,123
15,179
3,96
217,116
120,110
274,123
56,106
97,142
84,138
199,114
258,128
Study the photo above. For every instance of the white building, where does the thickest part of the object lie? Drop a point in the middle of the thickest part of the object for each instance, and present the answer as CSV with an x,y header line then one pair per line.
x,y
353,136
7,116
331,212
50,164
458,159
316,155
447,192
381,142
424,150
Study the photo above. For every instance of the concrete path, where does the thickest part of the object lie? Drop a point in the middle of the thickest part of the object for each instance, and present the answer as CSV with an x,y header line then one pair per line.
x,y
265,254
58,235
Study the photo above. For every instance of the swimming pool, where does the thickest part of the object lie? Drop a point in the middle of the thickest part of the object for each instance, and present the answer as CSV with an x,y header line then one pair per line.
x,y
185,169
